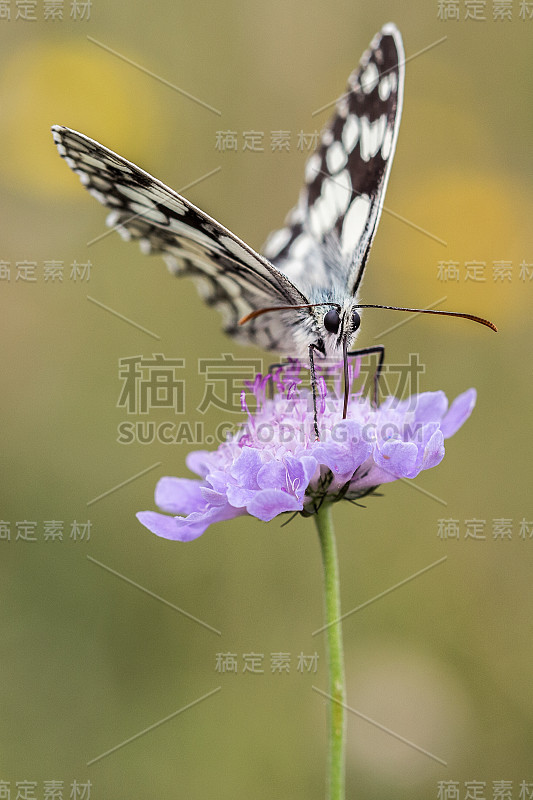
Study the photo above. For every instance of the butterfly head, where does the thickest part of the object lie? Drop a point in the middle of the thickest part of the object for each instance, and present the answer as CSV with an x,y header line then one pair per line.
x,y
340,325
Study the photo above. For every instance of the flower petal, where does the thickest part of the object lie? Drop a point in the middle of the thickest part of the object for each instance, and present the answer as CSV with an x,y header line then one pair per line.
x,y
268,503
185,529
238,496
344,455
195,524
369,476
434,451
199,461
161,525
211,497
179,495
460,410
272,475
292,474
430,406
246,467
300,470
396,457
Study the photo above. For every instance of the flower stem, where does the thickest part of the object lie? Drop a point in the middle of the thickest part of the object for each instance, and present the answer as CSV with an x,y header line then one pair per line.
x,y
337,689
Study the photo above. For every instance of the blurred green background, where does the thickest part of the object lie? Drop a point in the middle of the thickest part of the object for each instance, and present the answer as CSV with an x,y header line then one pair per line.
x,y
88,660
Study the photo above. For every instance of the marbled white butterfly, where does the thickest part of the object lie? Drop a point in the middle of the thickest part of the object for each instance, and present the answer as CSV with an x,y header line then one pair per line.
x,y
312,268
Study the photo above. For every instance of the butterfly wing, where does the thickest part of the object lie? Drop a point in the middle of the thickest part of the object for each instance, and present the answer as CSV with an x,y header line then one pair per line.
x,y
329,233
230,275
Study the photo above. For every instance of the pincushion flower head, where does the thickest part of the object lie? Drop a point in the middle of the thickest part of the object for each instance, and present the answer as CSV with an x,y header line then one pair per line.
x,y
274,464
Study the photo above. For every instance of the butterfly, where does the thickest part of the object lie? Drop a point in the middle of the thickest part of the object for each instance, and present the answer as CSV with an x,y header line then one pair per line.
x,y
300,297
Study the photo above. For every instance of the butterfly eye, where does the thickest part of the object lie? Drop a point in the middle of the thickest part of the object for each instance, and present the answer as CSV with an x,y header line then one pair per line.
x,y
332,321
356,320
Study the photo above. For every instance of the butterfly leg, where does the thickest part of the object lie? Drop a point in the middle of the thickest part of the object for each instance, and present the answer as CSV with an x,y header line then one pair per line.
x,y
365,351
314,389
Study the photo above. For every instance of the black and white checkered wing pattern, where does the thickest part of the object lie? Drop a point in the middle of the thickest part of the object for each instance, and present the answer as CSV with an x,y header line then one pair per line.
x,y
328,235
230,275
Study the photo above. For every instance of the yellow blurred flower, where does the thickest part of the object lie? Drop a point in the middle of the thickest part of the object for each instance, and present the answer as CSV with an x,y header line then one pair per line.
x,y
75,85
484,221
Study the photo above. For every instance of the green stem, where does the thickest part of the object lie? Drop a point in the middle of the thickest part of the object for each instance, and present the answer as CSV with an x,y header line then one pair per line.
x,y
337,689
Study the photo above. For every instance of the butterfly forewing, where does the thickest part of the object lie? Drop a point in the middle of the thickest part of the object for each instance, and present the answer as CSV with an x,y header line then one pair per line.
x,y
328,235
230,275
318,257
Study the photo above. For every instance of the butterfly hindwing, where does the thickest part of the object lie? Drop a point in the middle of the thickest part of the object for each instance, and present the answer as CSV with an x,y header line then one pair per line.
x,y
230,275
331,229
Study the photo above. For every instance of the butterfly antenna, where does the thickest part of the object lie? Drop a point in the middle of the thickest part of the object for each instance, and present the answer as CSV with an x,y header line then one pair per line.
x,y
473,317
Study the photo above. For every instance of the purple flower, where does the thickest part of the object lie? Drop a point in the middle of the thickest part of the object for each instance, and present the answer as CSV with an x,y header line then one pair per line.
x,y
273,463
